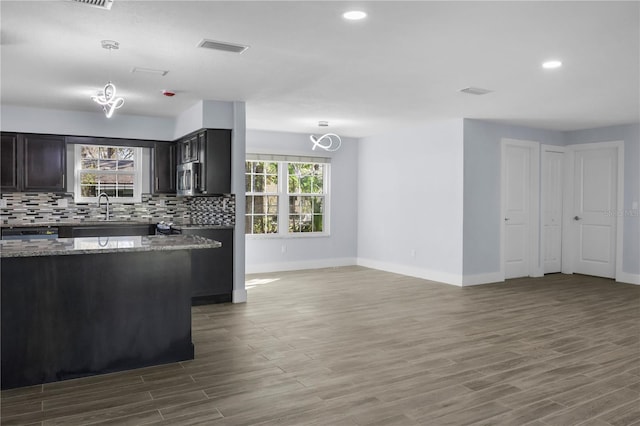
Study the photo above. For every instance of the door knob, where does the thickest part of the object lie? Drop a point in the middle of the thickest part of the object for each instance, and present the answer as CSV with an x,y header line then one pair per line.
x,y
577,218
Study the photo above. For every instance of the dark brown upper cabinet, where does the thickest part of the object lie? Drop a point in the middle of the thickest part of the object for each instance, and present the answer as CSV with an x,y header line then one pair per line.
x,y
33,163
9,162
216,175
212,149
45,163
164,168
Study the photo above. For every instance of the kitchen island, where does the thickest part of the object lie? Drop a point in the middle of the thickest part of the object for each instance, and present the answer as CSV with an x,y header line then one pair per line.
x,y
74,307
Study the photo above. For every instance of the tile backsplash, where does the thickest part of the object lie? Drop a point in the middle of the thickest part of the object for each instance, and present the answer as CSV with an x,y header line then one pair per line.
x,y
27,207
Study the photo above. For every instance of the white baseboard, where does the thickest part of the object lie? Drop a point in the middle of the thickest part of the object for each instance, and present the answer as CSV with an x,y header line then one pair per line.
x,y
239,296
411,271
300,265
627,278
478,279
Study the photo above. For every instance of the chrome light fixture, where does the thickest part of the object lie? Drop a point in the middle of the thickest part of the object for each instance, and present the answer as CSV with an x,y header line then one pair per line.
x,y
329,141
107,97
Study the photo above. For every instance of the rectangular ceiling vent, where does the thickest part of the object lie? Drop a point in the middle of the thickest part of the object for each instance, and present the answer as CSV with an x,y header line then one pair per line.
x,y
475,91
221,45
101,4
161,73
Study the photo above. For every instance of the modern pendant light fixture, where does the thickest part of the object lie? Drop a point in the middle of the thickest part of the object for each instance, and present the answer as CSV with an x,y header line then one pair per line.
x,y
329,141
107,96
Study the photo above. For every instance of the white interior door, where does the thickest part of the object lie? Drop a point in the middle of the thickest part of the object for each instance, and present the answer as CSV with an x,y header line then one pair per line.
x,y
594,205
552,193
516,184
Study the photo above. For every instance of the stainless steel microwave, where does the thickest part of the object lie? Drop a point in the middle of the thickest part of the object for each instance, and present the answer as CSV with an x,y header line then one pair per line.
x,y
188,179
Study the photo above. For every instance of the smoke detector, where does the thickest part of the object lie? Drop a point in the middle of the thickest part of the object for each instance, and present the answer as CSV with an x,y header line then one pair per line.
x,y
222,46
100,4
110,44
475,91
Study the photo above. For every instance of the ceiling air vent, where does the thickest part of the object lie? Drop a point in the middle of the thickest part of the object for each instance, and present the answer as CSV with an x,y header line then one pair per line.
x,y
223,46
102,4
475,91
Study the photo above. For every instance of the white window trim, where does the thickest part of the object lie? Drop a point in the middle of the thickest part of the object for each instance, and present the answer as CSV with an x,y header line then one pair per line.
x,y
137,184
283,196
278,194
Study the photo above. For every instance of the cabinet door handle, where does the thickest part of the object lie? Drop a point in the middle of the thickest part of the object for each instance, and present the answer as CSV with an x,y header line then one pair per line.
x,y
63,181
157,183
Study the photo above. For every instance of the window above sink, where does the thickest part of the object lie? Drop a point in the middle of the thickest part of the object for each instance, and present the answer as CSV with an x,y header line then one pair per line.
x,y
114,170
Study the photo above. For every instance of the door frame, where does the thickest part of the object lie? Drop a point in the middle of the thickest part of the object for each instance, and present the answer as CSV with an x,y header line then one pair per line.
x,y
544,149
569,246
535,269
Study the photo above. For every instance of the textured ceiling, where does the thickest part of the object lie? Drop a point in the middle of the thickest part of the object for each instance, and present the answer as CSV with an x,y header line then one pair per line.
x,y
403,65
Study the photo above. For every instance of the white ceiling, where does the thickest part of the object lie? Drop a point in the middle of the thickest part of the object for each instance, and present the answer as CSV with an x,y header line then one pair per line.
x,y
403,65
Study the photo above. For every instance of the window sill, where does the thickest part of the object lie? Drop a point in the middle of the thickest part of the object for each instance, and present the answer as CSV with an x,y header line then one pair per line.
x,y
287,236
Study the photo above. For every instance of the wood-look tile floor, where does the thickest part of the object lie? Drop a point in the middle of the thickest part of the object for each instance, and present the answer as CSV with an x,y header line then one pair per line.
x,y
354,346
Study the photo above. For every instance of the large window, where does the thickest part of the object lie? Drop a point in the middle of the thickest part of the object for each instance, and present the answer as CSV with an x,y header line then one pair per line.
x,y
306,197
286,195
261,179
114,170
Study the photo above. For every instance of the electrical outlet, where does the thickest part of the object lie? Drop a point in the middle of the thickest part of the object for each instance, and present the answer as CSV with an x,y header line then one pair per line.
x,y
3,203
413,253
63,202
284,249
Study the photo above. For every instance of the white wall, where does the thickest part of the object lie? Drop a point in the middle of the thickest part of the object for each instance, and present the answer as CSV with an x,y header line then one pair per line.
x,y
265,253
410,198
238,155
205,114
482,219
78,123
482,184
434,189
630,135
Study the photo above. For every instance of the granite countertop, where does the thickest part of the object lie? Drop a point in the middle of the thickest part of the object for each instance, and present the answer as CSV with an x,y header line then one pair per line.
x,y
194,226
75,223
107,223
94,245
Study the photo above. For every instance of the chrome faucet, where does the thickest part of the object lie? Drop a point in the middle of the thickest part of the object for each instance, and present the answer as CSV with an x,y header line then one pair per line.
x,y
104,194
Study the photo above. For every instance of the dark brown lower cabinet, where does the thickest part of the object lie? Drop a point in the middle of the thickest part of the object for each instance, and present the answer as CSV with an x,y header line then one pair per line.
x,y
212,269
71,316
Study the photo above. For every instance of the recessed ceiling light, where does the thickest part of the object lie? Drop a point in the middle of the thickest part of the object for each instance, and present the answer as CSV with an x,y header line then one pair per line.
x,y
354,15
549,65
